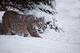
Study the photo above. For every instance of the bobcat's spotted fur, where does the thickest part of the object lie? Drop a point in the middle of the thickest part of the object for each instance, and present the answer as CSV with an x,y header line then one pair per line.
x,y
14,22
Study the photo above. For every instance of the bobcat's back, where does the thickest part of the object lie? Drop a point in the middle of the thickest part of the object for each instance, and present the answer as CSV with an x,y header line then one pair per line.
x,y
12,21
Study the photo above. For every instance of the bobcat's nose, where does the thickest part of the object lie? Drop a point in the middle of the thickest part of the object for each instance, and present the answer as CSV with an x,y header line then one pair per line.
x,y
40,27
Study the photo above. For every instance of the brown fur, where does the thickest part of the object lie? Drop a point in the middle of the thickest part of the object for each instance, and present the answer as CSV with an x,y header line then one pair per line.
x,y
14,22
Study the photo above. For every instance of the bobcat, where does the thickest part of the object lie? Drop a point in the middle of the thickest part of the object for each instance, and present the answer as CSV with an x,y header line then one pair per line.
x,y
14,22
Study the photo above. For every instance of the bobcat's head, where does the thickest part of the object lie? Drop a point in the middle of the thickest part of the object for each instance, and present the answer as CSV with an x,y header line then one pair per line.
x,y
40,23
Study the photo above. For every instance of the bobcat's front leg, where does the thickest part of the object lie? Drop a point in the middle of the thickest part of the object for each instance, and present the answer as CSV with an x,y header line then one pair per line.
x,y
33,32
25,35
13,33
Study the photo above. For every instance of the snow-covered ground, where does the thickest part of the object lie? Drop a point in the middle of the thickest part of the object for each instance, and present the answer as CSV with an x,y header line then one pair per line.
x,y
17,44
68,18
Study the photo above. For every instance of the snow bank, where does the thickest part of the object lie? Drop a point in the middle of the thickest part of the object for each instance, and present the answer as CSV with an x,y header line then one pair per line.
x,y
39,14
17,44
68,18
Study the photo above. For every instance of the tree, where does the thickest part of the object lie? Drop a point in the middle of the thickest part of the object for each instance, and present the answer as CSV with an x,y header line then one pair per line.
x,y
20,4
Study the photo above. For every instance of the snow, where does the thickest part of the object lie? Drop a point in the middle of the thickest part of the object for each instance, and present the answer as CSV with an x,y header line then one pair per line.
x,y
37,14
17,44
68,18
1,14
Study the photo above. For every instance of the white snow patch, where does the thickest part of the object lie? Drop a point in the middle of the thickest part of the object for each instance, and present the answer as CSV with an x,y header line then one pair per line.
x,y
39,14
1,14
